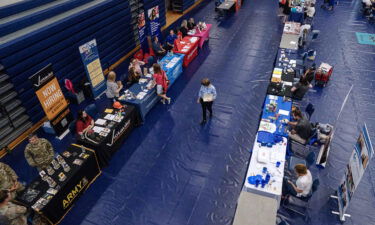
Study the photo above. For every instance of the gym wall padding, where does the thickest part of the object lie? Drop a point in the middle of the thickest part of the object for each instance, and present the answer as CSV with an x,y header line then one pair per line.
x,y
107,22
28,20
21,6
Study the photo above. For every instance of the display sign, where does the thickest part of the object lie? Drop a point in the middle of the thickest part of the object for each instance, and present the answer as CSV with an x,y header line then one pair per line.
x,y
90,58
358,162
50,96
154,24
142,31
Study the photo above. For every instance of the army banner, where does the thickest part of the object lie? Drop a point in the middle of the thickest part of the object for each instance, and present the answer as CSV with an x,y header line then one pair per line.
x,y
50,96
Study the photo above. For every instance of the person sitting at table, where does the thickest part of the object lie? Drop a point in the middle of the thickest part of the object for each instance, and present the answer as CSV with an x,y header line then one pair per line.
x,y
301,129
184,28
299,89
310,74
84,122
9,180
286,10
133,77
10,213
303,185
158,49
191,24
303,34
169,43
310,11
137,65
113,88
161,81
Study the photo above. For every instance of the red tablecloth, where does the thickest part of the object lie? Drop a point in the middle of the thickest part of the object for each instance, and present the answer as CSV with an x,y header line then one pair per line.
x,y
188,48
203,35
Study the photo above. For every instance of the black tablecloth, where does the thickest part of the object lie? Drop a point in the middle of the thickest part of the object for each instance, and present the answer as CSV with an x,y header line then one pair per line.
x,y
279,90
78,179
105,147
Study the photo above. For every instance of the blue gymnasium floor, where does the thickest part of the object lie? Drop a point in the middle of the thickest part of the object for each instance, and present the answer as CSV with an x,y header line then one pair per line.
x,y
173,171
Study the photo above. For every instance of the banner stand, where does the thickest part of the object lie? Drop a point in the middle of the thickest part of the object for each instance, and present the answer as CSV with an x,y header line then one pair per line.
x,y
342,218
63,135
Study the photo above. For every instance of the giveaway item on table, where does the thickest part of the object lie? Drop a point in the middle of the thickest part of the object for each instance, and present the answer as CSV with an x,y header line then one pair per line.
x,y
62,177
50,170
84,155
265,138
77,162
52,191
55,164
263,155
101,122
30,194
66,154
37,206
267,126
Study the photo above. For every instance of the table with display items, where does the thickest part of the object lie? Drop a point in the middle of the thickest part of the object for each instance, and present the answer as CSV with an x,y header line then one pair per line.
x,y
53,203
172,65
187,46
204,35
275,110
142,95
110,130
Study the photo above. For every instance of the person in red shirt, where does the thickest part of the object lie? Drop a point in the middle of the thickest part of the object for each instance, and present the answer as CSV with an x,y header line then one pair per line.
x,y
84,122
161,80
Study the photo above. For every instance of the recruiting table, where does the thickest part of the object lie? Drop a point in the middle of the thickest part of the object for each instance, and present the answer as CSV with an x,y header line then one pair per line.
x,y
289,41
143,102
189,47
78,179
106,146
203,35
172,65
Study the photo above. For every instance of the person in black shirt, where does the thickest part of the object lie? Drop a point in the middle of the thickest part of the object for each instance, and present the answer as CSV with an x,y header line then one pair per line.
x,y
191,24
133,77
301,128
299,90
184,28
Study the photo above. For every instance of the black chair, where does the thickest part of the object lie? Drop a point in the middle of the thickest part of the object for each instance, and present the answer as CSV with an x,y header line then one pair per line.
x,y
300,205
309,110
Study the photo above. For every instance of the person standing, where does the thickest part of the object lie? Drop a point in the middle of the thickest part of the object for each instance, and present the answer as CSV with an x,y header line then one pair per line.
x,y
113,88
161,81
39,152
207,96
9,180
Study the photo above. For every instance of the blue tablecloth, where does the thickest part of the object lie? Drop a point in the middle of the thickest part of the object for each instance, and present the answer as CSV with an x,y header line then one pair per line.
x,y
283,62
287,106
296,17
143,105
175,71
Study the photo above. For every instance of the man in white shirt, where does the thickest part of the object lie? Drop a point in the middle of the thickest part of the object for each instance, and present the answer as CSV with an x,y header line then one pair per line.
x,y
310,11
303,185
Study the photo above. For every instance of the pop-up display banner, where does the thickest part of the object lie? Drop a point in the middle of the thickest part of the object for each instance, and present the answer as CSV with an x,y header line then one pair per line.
x,y
141,22
154,23
50,96
90,58
358,162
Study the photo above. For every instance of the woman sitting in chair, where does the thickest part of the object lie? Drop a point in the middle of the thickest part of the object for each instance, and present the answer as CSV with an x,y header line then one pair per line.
x,y
84,123
303,185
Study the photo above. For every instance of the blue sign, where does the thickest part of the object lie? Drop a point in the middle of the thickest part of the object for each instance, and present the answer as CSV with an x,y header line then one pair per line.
x,y
365,38
142,31
154,24
90,58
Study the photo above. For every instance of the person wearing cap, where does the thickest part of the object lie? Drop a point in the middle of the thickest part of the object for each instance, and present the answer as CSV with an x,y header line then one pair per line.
x,y
39,152
303,184
84,122
113,88
9,180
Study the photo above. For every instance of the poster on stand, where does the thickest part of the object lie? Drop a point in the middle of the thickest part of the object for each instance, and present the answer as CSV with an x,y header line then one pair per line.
x,y
90,58
141,21
358,162
154,24
50,96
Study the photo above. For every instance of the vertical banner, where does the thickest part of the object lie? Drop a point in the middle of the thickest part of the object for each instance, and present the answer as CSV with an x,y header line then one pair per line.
x,y
354,171
141,21
53,102
153,16
90,58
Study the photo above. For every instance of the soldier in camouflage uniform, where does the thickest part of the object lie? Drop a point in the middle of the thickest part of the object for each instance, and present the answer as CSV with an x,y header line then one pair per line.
x,y
9,180
13,214
10,213
39,152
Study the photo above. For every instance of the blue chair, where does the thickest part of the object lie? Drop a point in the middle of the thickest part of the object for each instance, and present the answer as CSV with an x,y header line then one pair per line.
x,y
315,34
300,205
92,110
72,127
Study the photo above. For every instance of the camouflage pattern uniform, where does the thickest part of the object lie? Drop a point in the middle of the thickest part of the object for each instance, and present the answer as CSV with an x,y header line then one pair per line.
x,y
12,214
39,155
8,178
